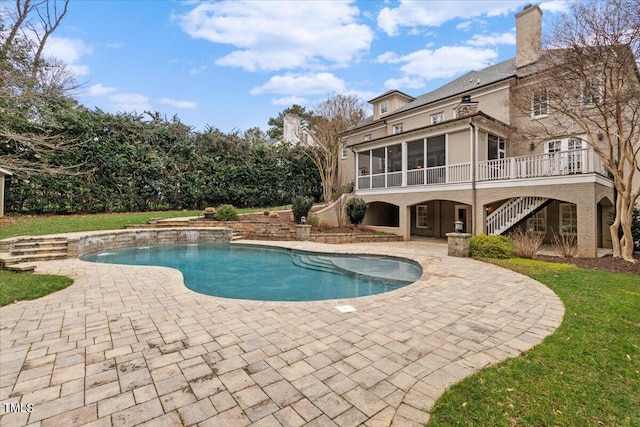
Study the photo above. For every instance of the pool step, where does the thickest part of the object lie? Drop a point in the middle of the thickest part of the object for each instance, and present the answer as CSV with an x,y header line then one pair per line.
x,y
313,262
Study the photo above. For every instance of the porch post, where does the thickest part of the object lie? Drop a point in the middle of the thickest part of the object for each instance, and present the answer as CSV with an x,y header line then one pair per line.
x,y
405,163
357,171
405,221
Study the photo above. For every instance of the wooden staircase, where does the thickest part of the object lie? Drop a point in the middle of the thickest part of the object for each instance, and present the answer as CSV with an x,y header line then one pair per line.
x,y
24,251
512,212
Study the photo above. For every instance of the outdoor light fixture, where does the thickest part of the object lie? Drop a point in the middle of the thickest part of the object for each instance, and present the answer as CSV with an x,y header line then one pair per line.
x,y
303,220
457,226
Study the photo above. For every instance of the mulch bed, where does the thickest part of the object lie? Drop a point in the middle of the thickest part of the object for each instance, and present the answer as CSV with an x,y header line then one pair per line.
x,y
607,263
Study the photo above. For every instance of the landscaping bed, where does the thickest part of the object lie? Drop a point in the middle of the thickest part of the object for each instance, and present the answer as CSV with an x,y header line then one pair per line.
x,y
606,263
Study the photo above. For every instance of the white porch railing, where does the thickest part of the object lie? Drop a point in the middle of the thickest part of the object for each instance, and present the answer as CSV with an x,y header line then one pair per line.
x,y
540,165
424,176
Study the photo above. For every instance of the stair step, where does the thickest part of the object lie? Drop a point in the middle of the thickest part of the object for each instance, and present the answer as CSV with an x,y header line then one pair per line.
x,y
21,267
34,250
39,243
16,259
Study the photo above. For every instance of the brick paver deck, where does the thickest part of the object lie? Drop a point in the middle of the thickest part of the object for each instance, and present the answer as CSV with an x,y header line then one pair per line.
x,y
127,345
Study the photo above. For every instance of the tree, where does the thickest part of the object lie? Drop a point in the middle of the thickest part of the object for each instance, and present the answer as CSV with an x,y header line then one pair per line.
x,y
33,89
589,77
331,117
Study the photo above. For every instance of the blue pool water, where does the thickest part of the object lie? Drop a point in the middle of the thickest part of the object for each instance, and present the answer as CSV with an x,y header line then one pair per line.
x,y
271,274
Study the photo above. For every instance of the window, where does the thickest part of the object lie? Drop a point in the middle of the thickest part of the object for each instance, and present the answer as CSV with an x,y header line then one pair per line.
x,y
540,103
422,216
552,146
367,137
384,107
495,147
568,218
537,223
591,91
397,129
344,151
437,118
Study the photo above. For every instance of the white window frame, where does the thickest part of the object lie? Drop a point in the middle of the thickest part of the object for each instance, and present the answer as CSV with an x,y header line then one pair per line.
x,y
537,223
398,128
437,118
539,104
568,219
422,216
343,152
367,137
591,92
502,146
384,107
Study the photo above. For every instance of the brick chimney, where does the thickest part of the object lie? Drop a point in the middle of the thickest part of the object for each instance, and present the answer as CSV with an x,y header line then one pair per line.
x,y
528,35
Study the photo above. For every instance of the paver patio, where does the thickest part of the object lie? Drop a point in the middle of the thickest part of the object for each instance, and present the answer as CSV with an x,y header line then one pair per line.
x,y
128,345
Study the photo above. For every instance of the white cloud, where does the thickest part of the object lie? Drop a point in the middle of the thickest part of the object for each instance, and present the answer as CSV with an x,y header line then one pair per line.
x,y
301,84
290,100
67,50
129,102
183,105
383,58
70,51
444,62
405,83
194,71
272,35
493,39
555,6
79,70
414,14
100,90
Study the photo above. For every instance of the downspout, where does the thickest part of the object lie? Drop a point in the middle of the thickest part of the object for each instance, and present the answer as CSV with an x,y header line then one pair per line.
x,y
474,148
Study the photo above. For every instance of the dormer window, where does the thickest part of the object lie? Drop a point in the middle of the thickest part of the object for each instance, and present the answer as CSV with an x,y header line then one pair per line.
x,y
367,137
539,103
397,129
384,107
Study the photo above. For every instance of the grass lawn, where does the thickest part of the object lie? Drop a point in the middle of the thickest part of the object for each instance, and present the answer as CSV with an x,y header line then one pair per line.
x,y
586,374
27,286
40,225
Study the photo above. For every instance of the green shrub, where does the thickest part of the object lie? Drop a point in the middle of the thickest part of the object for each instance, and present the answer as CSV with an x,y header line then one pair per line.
x,y
226,213
483,246
356,208
313,220
301,206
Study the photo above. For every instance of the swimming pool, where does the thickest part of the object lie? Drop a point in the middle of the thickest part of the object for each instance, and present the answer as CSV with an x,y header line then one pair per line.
x,y
271,274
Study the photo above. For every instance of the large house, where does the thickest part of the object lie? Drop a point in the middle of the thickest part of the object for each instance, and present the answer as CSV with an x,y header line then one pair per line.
x,y
455,154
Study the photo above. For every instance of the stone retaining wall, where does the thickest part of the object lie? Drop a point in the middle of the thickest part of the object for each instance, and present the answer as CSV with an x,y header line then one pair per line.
x,y
120,239
337,238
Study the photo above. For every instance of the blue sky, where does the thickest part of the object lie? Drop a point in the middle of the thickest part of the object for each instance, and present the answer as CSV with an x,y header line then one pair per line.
x,y
235,64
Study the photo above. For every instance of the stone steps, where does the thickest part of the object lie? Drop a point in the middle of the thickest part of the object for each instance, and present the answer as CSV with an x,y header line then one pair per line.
x,y
33,249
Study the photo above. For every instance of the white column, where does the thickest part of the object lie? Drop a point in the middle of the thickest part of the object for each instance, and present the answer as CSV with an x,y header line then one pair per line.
x,y
357,171
405,163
